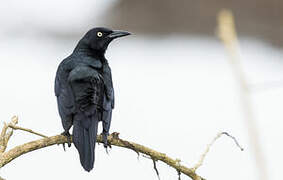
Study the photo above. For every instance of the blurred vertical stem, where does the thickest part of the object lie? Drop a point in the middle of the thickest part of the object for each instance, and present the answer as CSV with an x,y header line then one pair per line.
x,y
227,33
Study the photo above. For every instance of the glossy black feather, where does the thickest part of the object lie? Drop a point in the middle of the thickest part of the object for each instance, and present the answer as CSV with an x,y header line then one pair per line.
x,y
84,91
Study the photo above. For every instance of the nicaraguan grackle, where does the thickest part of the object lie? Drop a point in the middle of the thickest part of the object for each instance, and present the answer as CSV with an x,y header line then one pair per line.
x,y
84,90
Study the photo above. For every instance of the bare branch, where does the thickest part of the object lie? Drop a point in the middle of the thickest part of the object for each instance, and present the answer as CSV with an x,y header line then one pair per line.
x,y
113,139
4,130
227,33
179,175
3,144
14,127
235,140
17,151
155,168
5,136
200,162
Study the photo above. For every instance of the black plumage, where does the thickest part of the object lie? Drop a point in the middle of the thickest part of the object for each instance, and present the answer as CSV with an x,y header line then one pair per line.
x,y
84,91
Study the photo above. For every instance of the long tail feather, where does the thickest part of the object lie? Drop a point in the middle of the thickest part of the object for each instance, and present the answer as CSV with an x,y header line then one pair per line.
x,y
84,137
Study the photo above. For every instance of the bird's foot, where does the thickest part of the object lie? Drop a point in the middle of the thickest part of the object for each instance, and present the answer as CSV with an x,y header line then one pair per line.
x,y
68,135
105,143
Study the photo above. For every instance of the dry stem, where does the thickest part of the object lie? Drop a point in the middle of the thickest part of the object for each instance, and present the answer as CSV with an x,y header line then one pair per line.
x,y
5,136
227,33
113,139
14,127
155,168
200,162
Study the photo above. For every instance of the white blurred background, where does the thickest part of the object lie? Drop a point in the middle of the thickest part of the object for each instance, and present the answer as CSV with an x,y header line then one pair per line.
x,y
174,92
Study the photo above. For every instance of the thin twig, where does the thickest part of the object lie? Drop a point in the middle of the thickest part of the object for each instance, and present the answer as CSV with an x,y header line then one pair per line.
x,y
179,175
155,168
145,156
3,144
27,130
6,134
4,130
235,140
202,157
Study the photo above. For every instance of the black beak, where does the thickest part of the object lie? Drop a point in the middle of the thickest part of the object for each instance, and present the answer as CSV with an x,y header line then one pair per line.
x,y
117,34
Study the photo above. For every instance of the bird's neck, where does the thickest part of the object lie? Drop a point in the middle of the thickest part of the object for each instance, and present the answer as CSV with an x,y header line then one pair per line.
x,y
83,48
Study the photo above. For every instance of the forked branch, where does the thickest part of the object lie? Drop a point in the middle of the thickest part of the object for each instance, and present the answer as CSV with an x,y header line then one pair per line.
x,y
6,133
113,140
17,151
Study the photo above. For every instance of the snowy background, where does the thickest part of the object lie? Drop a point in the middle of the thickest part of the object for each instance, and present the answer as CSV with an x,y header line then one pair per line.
x,y
174,93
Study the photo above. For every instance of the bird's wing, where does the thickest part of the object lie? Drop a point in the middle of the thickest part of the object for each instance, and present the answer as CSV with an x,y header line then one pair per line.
x,y
88,90
109,90
65,99
87,87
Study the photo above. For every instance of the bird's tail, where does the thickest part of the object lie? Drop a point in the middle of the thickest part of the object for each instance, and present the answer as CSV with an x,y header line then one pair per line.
x,y
84,138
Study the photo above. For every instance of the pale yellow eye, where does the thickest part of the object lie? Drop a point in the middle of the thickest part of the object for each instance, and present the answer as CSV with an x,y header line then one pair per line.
x,y
99,34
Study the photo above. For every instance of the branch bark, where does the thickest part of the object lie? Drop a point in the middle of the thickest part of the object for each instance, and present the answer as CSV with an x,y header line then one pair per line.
x,y
5,136
113,139
14,127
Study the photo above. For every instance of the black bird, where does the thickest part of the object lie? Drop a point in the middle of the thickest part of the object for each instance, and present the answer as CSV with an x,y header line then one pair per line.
x,y
85,94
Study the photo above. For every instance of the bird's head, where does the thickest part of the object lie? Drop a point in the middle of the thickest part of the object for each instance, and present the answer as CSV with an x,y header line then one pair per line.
x,y
98,39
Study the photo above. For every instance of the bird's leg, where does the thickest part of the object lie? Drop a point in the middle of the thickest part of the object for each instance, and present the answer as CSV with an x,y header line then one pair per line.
x,y
68,135
106,126
104,137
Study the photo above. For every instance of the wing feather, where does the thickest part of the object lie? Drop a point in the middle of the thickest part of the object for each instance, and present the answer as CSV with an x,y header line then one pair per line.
x,y
65,99
87,86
